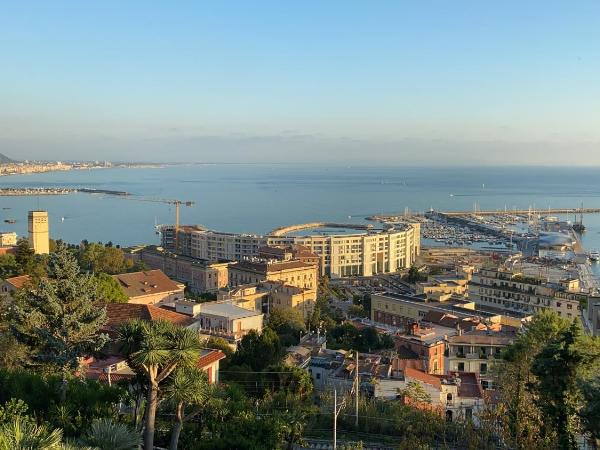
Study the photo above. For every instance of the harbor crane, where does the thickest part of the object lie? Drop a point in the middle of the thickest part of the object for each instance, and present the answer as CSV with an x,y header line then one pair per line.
x,y
175,202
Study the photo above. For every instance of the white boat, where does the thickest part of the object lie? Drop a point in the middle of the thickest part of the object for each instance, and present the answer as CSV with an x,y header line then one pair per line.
x,y
594,255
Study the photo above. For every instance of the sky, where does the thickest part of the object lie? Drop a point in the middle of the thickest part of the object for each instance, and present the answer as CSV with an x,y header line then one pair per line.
x,y
373,82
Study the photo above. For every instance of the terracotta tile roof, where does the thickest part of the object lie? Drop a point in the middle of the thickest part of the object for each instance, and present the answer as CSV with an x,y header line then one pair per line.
x,y
119,313
210,357
422,376
482,338
139,284
469,385
18,282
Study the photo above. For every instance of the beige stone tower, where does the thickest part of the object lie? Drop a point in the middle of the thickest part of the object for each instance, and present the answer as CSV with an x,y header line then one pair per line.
x,y
39,237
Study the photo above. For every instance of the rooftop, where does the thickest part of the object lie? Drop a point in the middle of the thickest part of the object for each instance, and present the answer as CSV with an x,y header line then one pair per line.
x,y
18,282
227,309
119,313
139,284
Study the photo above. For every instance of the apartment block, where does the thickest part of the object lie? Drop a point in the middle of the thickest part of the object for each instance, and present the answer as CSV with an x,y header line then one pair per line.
x,y
512,292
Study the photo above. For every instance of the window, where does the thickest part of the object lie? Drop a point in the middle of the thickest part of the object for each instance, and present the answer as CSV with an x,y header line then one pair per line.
x,y
449,397
468,413
483,368
461,367
485,384
558,304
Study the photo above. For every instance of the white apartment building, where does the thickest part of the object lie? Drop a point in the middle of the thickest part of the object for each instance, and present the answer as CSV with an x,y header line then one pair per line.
x,y
8,238
513,292
363,254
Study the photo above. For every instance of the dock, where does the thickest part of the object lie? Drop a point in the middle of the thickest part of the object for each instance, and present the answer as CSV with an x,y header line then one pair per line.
x,y
520,212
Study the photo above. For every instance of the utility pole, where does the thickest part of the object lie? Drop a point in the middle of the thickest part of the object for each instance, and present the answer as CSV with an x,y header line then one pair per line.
x,y
335,416
356,391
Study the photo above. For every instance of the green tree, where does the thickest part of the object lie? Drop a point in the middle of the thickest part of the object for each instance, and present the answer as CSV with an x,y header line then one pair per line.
x,y
98,258
520,421
8,266
590,412
416,392
155,350
414,275
109,290
288,324
187,388
56,318
259,350
30,263
559,369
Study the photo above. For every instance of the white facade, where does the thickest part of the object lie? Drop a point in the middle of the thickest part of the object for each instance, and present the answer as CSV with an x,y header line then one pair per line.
x,y
8,238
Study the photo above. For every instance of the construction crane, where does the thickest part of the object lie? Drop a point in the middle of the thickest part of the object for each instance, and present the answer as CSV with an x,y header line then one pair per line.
x,y
177,204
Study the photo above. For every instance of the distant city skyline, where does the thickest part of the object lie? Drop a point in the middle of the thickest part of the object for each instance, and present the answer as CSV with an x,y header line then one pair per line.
x,y
332,82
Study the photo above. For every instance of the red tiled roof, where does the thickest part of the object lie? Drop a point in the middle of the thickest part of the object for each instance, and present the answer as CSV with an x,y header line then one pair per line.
x,y
139,284
210,357
422,376
18,282
119,313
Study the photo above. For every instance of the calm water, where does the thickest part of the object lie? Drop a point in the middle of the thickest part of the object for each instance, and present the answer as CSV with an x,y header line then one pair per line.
x,y
258,198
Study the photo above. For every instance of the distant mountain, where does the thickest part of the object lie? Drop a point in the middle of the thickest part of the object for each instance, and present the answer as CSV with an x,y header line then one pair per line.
x,y
5,159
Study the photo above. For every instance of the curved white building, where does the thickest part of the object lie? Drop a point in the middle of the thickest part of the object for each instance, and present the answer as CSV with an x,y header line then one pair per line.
x,y
362,253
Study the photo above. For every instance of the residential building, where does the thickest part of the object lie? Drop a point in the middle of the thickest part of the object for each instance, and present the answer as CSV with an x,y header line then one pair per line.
x,y
361,254
591,316
477,352
13,284
400,311
119,313
199,275
8,238
39,237
440,288
284,296
457,395
291,272
269,295
222,318
512,292
365,253
424,344
150,287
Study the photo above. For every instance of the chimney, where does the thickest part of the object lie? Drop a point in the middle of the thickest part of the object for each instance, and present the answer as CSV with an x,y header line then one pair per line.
x,y
414,328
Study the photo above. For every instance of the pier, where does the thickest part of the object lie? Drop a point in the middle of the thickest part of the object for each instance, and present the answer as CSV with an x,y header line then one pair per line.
x,y
520,212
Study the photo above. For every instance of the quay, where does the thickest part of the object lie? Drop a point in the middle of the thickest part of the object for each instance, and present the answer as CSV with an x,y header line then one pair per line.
x,y
14,192
520,212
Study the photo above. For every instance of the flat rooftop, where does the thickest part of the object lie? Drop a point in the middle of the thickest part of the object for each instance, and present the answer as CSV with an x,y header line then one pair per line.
x,y
227,309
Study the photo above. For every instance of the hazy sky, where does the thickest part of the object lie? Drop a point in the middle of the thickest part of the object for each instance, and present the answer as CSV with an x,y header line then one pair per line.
x,y
365,81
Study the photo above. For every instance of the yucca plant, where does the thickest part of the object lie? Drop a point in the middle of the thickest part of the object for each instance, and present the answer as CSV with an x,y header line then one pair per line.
x,y
108,435
23,434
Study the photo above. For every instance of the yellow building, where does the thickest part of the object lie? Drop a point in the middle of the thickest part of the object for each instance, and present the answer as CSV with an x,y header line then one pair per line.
x,y
39,237
256,270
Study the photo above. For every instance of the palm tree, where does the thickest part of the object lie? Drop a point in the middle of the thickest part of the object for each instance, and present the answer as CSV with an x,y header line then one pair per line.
x,y
108,435
23,434
156,349
187,387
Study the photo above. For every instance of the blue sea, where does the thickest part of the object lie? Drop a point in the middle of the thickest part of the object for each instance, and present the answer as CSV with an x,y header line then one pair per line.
x,y
255,198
